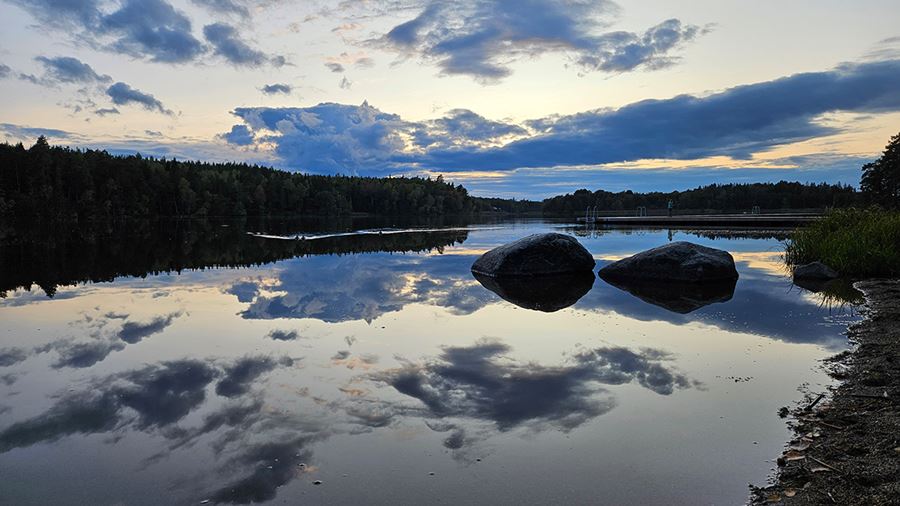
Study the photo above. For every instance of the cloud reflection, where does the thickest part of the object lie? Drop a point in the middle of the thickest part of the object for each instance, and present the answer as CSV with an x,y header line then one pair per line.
x,y
479,382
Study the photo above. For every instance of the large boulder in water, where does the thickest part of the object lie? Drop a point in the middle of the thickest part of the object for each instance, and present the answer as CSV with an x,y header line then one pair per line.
x,y
814,271
545,293
535,255
677,261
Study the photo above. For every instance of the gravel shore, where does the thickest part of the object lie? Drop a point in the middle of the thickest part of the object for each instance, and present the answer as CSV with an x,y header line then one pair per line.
x,y
846,446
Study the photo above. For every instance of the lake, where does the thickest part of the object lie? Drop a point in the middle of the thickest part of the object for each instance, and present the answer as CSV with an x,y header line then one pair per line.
x,y
187,364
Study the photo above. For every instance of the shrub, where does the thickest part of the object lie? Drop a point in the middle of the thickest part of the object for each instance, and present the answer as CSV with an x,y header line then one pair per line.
x,y
854,242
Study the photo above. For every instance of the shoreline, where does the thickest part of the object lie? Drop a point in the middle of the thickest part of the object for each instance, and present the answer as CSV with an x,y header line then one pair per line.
x,y
845,447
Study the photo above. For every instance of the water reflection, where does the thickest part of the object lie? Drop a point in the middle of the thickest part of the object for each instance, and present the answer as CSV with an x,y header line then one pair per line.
x,y
479,382
682,298
201,394
53,255
543,293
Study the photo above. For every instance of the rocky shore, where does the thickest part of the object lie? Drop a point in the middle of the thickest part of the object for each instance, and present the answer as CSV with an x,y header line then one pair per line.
x,y
846,446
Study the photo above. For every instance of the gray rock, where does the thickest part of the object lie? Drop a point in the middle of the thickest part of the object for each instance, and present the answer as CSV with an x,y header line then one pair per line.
x,y
677,261
815,270
535,255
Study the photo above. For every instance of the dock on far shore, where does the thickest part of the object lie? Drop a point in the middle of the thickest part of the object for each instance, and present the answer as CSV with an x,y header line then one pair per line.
x,y
736,220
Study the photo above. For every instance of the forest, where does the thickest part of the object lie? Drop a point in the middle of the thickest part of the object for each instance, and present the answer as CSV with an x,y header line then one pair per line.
x,y
715,197
60,182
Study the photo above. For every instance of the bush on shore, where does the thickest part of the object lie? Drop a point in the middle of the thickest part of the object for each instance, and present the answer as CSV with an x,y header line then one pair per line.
x,y
854,242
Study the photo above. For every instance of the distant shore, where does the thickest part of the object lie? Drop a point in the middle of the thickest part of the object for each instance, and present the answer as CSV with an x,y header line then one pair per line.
x,y
846,445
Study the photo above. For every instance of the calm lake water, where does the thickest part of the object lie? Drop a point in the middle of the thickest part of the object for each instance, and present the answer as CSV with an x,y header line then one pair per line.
x,y
374,369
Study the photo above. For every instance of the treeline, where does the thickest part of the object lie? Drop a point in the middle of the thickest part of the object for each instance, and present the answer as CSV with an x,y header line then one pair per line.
x,y
714,197
511,206
60,182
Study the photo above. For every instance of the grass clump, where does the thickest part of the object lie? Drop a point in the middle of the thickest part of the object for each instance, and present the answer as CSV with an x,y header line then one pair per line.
x,y
854,242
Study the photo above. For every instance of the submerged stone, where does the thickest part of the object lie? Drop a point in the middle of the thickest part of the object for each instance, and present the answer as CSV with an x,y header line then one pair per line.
x,y
543,293
535,255
678,261
815,271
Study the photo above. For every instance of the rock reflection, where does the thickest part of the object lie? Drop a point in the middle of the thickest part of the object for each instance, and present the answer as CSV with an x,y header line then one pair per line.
x,y
678,297
478,382
540,293
834,292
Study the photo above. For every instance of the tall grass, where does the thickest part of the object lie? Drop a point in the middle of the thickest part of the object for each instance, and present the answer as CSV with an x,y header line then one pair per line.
x,y
854,242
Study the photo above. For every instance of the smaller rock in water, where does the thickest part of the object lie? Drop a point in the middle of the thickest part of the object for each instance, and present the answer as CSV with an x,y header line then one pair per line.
x,y
536,255
677,261
317,482
815,270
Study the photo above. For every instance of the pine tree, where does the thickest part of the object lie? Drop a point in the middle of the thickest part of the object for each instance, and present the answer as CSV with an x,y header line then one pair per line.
x,y
881,178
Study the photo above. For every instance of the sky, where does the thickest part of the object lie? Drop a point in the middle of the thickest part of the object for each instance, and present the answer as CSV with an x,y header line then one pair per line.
x,y
511,98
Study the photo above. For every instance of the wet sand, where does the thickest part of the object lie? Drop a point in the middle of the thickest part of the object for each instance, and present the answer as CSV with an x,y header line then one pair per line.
x,y
846,446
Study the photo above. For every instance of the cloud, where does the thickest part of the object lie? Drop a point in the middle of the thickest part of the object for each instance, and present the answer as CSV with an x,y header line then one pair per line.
x,y
239,135
5,71
481,382
275,89
283,335
123,94
12,356
24,132
65,69
243,372
227,43
150,29
334,67
134,332
158,395
106,111
345,83
227,6
737,122
481,39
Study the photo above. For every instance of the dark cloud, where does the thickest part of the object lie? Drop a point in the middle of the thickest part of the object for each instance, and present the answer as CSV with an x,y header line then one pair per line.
x,y
228,44
240,135
23,132
82,354
239,376
134,332
737,122
480,382
156,396
152,29
123,94
65,69
273,465
227,6
274,89
283,335
12,356
335,67
481,39
345,83
106,111
62,12
5,71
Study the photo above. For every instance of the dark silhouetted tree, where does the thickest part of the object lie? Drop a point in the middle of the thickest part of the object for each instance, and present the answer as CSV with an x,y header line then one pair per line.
x,y
881,178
